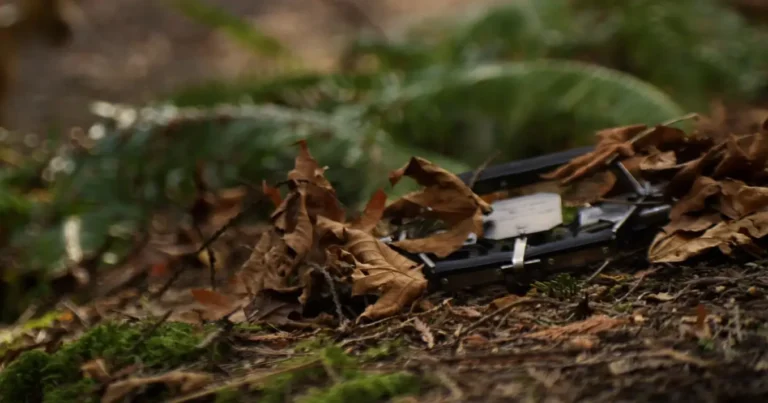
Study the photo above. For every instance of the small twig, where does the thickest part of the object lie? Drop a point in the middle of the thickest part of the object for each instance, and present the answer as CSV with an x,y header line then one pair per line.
x,y
168,283
149,331
334,295
599,270
245,380
482,168
737,324
631,290
502,310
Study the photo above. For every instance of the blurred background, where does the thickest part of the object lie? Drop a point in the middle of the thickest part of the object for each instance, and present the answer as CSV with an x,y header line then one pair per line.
x,y
110,107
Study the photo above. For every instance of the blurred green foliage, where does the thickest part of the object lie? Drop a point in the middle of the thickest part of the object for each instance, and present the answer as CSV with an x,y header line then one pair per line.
x,y
523,79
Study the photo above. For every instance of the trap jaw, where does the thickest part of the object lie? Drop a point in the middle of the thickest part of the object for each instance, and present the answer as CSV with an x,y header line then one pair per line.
x,y
520,244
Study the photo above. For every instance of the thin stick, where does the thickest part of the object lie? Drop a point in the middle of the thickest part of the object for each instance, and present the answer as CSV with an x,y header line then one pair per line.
x,y
599,270
503,310
482,168
151,330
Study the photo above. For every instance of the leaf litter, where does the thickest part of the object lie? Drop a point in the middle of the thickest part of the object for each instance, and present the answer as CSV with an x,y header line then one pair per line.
x,y
315,263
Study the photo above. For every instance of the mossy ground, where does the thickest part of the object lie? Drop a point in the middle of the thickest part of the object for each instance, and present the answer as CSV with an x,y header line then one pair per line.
x,y
36,376
319,372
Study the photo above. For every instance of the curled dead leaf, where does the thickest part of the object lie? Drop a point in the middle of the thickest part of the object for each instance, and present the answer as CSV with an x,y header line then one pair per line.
x,y
613,141
321,197
680,246
588,189
446,198
372,214
272,193
703,188
377,269
659,161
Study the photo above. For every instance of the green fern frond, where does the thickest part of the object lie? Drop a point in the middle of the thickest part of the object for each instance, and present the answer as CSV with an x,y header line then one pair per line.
x,y
520,108
235,27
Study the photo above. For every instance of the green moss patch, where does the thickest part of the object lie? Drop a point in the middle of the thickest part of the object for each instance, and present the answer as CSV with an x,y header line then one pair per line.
x,y
348,383
37,376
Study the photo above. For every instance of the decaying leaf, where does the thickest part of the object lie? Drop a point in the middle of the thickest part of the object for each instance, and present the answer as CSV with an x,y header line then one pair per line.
x,y
426,334
272,193
372,214
594,325
614,141
703,188
178,381
659,161
321,195
680,246
588,189
377,269
444,197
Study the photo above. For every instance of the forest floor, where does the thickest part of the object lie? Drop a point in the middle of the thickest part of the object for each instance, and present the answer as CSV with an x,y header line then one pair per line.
x,y
670,333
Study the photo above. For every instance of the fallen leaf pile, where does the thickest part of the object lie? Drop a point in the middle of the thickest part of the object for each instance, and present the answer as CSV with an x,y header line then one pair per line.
x,y
717,185
311,239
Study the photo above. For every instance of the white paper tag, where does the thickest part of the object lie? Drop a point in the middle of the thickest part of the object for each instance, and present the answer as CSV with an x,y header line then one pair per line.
x,y
524,215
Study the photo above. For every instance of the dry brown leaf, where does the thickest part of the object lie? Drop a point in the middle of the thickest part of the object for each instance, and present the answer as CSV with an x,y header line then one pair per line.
x,y
613,141
588,189
293,220
272,193
735,161
703,188
268,266
444,243
660,161
426,334
445,197
592,326
680,246
681,183
177,381
738,200
372,214
213,299
687,223
377,269
321,197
